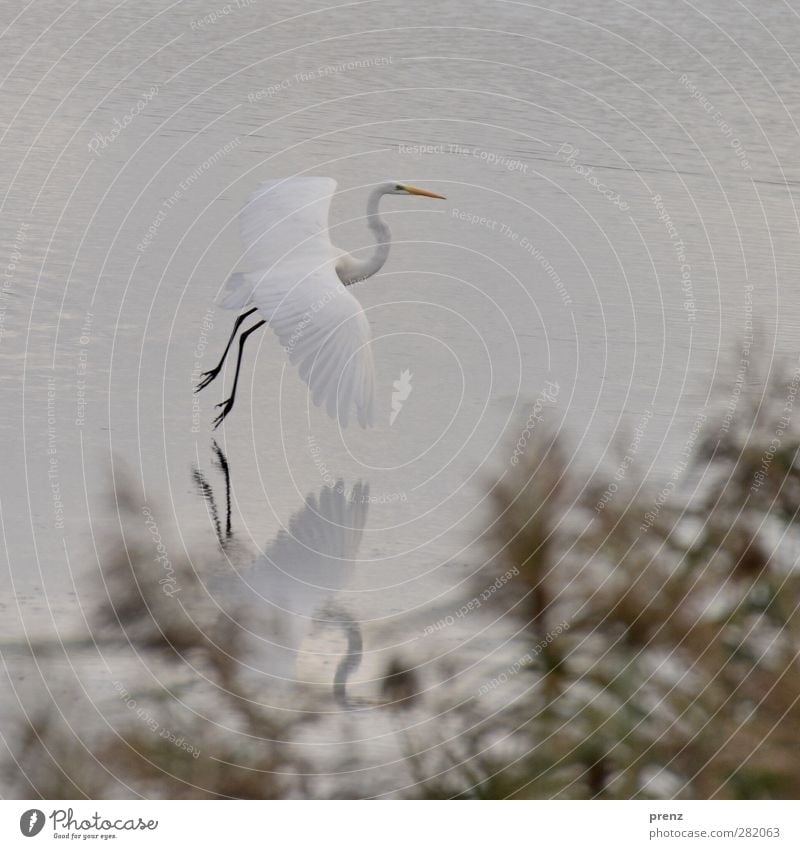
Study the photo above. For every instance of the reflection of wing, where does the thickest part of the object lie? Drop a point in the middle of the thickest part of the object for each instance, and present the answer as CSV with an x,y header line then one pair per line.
x,y
301,569
322,327
313,558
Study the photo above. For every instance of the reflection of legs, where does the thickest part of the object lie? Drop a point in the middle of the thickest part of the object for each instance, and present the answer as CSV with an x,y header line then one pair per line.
x,y
227,404
208,376
207,492
222,460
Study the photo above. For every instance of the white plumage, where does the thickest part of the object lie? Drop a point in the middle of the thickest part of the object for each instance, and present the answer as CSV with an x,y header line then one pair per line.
x,y
321,326
297,283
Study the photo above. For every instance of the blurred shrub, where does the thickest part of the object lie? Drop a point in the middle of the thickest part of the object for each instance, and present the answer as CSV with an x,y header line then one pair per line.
x,y
677,675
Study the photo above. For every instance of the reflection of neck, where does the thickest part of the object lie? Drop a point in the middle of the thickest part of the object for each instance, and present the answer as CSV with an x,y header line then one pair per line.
x,y
352,270
350,661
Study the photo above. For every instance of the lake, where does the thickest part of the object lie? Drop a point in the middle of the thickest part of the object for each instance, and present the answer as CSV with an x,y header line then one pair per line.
x,y
620,232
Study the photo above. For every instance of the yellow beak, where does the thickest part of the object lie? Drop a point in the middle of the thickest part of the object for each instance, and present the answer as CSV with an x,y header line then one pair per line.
x,y
423,192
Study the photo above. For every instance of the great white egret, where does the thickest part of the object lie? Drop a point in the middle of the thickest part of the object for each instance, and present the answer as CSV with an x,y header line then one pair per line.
x,y
299,289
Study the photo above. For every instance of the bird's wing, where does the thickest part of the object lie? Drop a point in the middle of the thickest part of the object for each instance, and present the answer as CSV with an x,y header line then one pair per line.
x,y
298,572
286,220
324,331
314,557
315,554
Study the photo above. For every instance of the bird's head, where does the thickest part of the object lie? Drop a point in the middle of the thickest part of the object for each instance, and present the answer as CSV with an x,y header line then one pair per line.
x,y
403,189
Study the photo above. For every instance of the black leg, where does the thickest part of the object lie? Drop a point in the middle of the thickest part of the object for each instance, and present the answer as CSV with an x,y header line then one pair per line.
x,y
227,404
208,376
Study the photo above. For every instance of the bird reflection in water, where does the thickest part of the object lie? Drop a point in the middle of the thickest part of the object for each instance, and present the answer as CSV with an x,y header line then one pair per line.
x,y
289,594
220,461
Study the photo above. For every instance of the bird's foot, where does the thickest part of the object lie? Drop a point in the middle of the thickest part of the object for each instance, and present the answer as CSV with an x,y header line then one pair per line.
x,y
227,406
207,376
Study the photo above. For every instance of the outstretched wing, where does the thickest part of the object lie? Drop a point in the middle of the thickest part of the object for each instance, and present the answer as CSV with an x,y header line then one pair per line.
x,y
324,332
314,556
286,220
283,227
322,327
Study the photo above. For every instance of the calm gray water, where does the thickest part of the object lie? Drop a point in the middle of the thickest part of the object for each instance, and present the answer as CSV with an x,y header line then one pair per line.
x,y
621,183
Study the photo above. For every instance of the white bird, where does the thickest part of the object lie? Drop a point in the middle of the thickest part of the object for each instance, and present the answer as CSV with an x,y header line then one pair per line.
x,y
299,289
292,587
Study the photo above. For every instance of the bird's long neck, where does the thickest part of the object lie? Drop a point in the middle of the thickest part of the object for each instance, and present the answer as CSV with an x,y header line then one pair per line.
x,y
353,269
